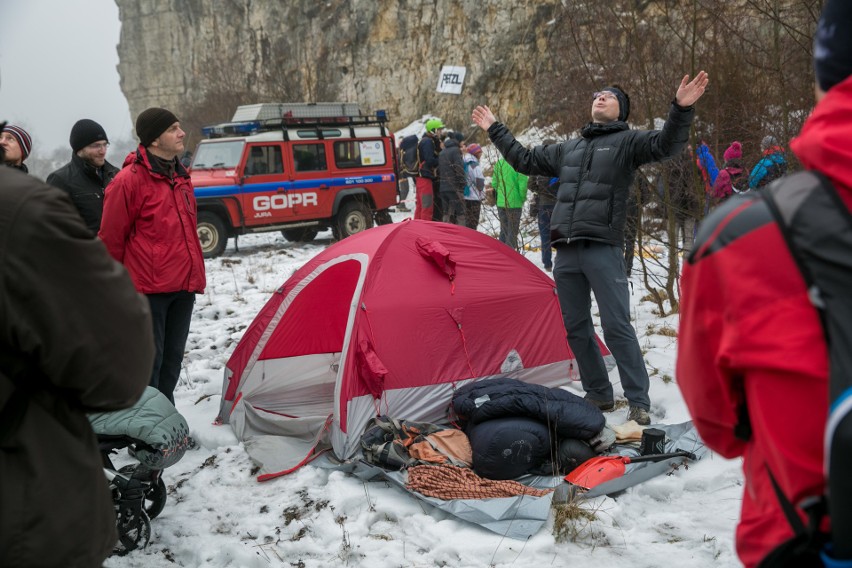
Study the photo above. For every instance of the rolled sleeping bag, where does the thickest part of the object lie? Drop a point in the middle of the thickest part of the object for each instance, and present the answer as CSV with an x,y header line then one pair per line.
x,y
506,448
502,397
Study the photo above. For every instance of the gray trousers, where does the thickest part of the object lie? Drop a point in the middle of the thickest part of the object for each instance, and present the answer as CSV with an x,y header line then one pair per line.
x,y
510,225
583,267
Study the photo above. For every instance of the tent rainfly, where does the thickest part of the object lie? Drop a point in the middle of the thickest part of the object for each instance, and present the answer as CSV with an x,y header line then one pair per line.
x,y
388,321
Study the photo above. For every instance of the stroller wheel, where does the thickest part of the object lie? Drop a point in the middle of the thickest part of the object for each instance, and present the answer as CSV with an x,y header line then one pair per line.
x,y
132,534
155,494
155,498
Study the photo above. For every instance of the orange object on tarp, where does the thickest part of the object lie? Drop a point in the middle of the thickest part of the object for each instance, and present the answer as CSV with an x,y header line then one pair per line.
x,y
596,471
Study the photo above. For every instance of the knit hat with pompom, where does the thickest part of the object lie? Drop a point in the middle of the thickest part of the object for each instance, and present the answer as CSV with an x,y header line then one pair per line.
x,y
734,151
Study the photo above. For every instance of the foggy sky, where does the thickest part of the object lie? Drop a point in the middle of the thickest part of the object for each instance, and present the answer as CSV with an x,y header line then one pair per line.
x,y
57,65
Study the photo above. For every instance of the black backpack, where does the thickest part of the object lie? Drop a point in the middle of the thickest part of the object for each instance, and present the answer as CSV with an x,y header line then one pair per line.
x,y
817,227
409,161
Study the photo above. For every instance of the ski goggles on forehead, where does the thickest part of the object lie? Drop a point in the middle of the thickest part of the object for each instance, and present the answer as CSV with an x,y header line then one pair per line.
x,y
604,94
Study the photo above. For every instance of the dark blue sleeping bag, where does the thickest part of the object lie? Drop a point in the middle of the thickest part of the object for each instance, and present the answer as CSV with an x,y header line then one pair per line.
x,y
567,414
511,424
506,448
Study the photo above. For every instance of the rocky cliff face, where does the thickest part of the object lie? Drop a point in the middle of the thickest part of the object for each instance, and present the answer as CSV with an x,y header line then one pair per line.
x,y
383,54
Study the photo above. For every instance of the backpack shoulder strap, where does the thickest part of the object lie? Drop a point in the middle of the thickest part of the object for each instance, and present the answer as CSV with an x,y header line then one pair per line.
x,y
804,548
817,227
418,164
785,200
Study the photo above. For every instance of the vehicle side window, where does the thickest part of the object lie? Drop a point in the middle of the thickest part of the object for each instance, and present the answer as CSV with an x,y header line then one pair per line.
x,y
359,153
264,160
309,157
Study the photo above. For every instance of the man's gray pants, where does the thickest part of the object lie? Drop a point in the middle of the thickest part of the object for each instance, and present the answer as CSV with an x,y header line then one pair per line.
x,y
510,225
586,266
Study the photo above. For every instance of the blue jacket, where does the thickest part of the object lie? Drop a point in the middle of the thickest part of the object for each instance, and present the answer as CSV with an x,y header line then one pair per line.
x,y
771,167
707,163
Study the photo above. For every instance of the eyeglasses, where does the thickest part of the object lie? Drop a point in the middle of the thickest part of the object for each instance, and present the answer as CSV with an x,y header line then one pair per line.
x,y
99,146
605,94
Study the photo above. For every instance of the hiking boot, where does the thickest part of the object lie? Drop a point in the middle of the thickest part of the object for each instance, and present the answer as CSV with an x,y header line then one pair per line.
x,y
548,269
639,415
603,405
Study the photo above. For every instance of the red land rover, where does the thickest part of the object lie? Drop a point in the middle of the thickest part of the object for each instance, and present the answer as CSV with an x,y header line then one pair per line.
x,y
295,168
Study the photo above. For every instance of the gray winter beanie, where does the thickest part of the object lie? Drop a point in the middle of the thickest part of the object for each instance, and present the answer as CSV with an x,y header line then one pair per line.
x,y
768,142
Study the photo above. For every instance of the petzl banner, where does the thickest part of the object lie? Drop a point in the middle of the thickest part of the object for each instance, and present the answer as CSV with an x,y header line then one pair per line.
x,y
451,79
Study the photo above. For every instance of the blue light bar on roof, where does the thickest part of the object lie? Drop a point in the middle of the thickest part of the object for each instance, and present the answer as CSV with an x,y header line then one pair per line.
x,y
232,129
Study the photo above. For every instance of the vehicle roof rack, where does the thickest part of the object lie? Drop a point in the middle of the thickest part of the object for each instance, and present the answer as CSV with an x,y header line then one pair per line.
x,y
267,117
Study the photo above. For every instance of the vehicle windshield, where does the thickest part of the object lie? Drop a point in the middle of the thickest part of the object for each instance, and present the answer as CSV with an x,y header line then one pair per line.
x,y
211,155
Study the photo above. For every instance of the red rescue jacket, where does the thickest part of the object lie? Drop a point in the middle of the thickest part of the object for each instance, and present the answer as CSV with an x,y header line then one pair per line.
x,y
149,225
751,340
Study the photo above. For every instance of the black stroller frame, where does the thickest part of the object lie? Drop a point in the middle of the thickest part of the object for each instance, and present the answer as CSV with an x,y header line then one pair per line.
x,y
138,494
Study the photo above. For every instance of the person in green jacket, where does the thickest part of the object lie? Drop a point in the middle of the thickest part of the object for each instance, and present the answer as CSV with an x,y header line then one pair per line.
x,y
511,190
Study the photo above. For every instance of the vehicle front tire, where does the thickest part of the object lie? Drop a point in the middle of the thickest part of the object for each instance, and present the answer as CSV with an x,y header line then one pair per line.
x,y
353,217
211,234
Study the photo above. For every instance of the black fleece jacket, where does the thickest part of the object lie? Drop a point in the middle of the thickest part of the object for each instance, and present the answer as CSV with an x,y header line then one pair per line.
x,y
85,185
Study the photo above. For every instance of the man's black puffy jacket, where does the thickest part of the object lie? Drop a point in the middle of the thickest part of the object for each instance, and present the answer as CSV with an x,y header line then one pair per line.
x,y
595,171
81,181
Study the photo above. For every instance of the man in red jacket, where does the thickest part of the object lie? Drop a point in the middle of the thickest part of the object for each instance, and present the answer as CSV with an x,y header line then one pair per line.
x,y
149,225
752,361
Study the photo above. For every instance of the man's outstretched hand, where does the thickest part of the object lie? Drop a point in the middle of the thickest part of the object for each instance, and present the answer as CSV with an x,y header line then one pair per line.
x,y
483,117
691,91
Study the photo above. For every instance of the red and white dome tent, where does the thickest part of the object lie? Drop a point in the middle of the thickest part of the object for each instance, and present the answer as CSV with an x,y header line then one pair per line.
x,y
388,321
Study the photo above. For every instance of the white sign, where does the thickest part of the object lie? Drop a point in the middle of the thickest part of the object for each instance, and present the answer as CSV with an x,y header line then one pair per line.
x,y
451,79
372,153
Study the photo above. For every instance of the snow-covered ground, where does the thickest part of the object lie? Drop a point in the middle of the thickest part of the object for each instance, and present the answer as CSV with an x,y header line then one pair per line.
x,y
218,515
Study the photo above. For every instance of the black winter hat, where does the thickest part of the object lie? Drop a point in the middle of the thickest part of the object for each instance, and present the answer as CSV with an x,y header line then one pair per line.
x,y
833,44
152,122
623,102
85,132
